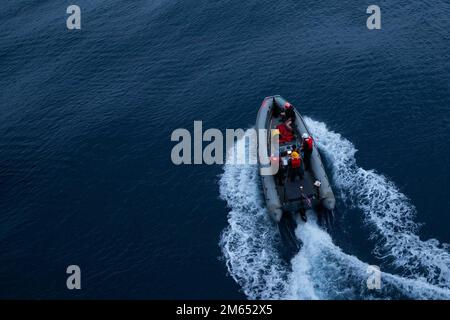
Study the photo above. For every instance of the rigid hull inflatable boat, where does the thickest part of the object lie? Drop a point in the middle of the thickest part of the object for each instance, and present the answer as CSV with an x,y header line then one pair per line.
x,y
313,190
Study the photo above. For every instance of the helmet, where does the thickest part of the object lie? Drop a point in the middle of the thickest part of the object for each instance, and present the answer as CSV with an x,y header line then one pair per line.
x,y
287,105
305,136
295,155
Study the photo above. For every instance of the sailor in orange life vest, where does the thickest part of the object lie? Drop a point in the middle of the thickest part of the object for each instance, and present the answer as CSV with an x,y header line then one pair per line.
x,y
295,166
307,148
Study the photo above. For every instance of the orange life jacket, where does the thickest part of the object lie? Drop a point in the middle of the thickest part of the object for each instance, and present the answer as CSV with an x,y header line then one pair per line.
x,y
285,134
296,162
309,142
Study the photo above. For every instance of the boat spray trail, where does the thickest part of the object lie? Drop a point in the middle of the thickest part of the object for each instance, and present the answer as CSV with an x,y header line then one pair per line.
x,y
386,209
321,270
249,243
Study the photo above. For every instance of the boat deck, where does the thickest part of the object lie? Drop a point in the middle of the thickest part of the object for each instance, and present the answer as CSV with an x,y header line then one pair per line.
x,y
289,191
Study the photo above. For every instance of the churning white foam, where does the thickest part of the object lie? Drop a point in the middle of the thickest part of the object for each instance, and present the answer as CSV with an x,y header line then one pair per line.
x,y
249,243
385,208
321,270
334,274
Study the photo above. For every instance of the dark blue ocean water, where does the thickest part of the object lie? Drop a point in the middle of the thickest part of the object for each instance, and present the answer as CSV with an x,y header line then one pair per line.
x,y
86,118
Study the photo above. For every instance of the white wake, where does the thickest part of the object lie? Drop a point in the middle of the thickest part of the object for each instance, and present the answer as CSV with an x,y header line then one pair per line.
x,y
385,208
321,270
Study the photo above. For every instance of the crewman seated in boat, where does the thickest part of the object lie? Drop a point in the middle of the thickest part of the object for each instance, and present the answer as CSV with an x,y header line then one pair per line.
x,y
295,166
286,133
288,113
307,148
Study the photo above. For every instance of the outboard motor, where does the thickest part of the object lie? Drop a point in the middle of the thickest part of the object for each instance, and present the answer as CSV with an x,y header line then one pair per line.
x,y
325,215
307,203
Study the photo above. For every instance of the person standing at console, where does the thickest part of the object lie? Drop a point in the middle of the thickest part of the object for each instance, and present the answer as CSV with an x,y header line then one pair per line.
x,y
307,148
295,166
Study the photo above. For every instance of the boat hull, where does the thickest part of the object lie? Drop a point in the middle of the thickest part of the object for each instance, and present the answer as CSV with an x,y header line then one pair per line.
x,y
275,202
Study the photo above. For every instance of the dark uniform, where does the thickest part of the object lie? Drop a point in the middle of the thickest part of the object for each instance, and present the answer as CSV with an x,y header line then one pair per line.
x,y
307,148
290,114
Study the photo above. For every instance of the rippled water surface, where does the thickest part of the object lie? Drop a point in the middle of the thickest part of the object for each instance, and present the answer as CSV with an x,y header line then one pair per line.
x,y
85,124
